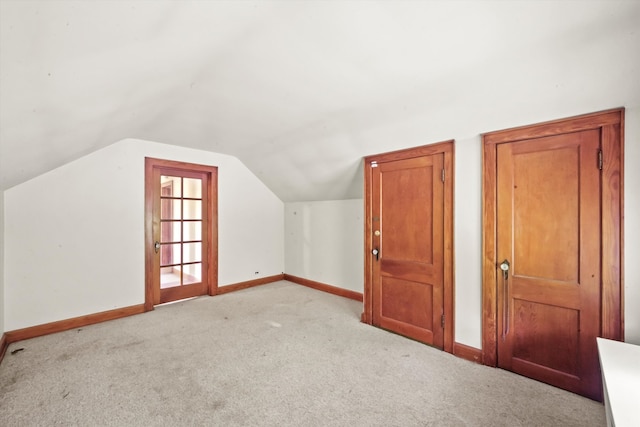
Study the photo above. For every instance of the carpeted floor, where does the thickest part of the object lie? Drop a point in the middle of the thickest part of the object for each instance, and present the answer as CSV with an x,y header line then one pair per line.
x,y
275,355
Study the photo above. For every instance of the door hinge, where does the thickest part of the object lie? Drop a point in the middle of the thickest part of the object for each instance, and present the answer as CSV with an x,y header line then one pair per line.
x,y
442,321
374,164
600,159
442,174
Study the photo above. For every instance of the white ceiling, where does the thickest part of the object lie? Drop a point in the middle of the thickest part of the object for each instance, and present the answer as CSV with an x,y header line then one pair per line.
x,y
299,90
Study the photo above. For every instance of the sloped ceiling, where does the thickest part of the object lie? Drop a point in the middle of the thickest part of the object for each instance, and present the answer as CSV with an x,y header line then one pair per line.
x,y
299,91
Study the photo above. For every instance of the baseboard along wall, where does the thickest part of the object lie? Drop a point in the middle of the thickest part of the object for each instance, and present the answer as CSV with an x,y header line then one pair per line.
x,y
64,325
346,293
249,284
460,350
471,354
75,322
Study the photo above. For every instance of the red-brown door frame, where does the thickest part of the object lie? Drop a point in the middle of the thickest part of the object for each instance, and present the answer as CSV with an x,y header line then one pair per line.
x,y
611,125
152,218
446,148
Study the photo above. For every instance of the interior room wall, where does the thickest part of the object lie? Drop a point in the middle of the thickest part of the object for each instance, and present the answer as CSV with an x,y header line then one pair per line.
x,y
74,237
324,242
632,225
2,310
467,231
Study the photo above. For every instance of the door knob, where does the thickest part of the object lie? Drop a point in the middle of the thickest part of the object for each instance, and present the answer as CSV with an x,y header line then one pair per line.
x,y
376,253
156,246
504,266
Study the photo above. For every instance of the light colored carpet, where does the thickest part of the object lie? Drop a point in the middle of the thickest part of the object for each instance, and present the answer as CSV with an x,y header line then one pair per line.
x,y
275,355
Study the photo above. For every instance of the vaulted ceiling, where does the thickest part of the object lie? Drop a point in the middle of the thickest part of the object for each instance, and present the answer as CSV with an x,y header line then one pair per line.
x,y
299,91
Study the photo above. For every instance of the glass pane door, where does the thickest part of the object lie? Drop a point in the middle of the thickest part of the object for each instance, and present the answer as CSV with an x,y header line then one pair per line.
x,y
181,230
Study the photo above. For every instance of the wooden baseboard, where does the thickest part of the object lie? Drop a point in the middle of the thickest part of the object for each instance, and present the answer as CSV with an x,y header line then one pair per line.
x,y
3,346
249,284
76,322
471,354
324,287
90,319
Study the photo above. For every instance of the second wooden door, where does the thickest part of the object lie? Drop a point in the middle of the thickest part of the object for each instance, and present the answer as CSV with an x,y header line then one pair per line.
x,y
549,252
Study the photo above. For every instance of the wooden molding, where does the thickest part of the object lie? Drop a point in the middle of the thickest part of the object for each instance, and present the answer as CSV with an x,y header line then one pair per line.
x,y
613,230
248,284
3,346
346,293
408,153
154,166
611,125
76,322
556,127
466,352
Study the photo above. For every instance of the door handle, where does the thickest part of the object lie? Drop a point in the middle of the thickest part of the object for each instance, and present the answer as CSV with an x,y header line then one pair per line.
x,y
376,253
504,266
156,246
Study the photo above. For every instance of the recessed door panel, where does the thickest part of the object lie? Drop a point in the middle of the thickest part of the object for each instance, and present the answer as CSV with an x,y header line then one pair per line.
x,y
407,302
547,246
540,327
405,202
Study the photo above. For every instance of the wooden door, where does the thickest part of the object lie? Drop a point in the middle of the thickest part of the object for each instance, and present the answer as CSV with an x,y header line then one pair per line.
x,y
549,232
407,245
552,266
181,244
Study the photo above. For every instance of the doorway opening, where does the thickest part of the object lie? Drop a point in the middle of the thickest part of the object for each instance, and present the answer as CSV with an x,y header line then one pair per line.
x,y
180,231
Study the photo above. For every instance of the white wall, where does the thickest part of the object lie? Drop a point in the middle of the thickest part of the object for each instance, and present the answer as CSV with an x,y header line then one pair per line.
x,y
79,269
2,329
467,224
324,242
74,237
632,225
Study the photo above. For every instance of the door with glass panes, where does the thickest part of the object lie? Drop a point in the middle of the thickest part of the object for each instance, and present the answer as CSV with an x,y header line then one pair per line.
x,y
181,215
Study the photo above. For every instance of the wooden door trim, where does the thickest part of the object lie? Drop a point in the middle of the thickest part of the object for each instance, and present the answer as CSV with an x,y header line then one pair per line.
x,y
212,228
447,149
611,125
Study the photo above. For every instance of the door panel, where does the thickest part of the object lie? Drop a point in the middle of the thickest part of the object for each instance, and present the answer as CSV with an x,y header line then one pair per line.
x,y
539,327
408,275
407,302
548,228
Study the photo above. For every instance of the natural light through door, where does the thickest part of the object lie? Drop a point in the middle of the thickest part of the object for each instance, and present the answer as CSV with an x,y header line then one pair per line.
x,y
181,231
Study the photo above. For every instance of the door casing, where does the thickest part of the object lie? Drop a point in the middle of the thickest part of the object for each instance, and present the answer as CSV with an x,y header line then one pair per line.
x,y
211,232
611,125
447,149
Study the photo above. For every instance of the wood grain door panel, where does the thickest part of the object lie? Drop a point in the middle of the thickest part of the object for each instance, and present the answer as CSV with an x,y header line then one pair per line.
x,y
408,276
409,219
408,302
552,205
532,338
549,229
